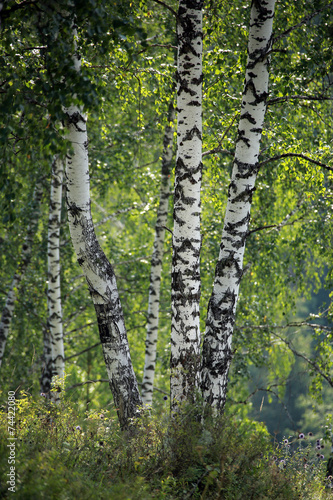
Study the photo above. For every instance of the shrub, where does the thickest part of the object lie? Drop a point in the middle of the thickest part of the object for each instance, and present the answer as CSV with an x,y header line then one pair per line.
x,y
62,454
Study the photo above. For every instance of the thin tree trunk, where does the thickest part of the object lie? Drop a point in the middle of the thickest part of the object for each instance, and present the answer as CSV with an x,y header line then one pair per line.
x,y
98,270
156,264
26,253
185,328
217,352
46,375
55,323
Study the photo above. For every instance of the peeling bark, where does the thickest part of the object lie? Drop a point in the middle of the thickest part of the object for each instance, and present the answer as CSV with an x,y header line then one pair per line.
x,y
185,328
26,252
156,264
217,353
98,270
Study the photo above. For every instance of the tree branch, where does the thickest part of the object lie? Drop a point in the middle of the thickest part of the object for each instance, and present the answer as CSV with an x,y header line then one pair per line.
x,y
81,327
167,7
283,223
304,21
82,352
287,325
106,380
270,390
7,12
87,382
295,155
164,227
308,360
276,100
218,148
276,226
115,214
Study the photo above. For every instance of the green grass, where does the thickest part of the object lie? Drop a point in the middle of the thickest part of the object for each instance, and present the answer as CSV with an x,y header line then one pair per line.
x,y
62,454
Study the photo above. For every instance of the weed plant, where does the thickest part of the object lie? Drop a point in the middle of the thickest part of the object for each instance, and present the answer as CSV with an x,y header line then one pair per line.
x,y
63,455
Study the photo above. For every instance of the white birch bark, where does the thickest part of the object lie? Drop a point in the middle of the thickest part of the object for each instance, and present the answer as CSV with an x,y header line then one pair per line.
x,y
156,264
55,323
26,253
217,354
98,270
185,328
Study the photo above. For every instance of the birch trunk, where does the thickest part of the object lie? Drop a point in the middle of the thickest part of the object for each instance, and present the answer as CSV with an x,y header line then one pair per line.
x,y
185,328
26,253
217,352
156,264
46,375
98,270
55,324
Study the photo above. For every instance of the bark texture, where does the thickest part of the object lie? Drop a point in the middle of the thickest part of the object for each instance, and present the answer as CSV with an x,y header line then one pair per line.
x,y
217,351
55,323
26,253
98,271
156,264
185,328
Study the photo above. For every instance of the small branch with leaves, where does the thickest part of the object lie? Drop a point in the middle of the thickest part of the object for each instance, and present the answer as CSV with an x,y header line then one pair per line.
x,y
305,20
218,149
283,223
295,155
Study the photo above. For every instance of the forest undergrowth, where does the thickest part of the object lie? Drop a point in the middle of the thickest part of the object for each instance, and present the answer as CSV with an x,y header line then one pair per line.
x,y
63,453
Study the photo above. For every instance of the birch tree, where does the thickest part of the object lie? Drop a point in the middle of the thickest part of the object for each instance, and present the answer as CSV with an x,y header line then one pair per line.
x,y
55,323
97,269
217,351
53,349
185,327
123,127
25,257
156,264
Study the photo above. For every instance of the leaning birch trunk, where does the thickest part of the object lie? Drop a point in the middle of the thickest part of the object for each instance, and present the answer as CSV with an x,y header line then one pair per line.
x,y
217,354
98,270
26,253
185,327
55,324
156,264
